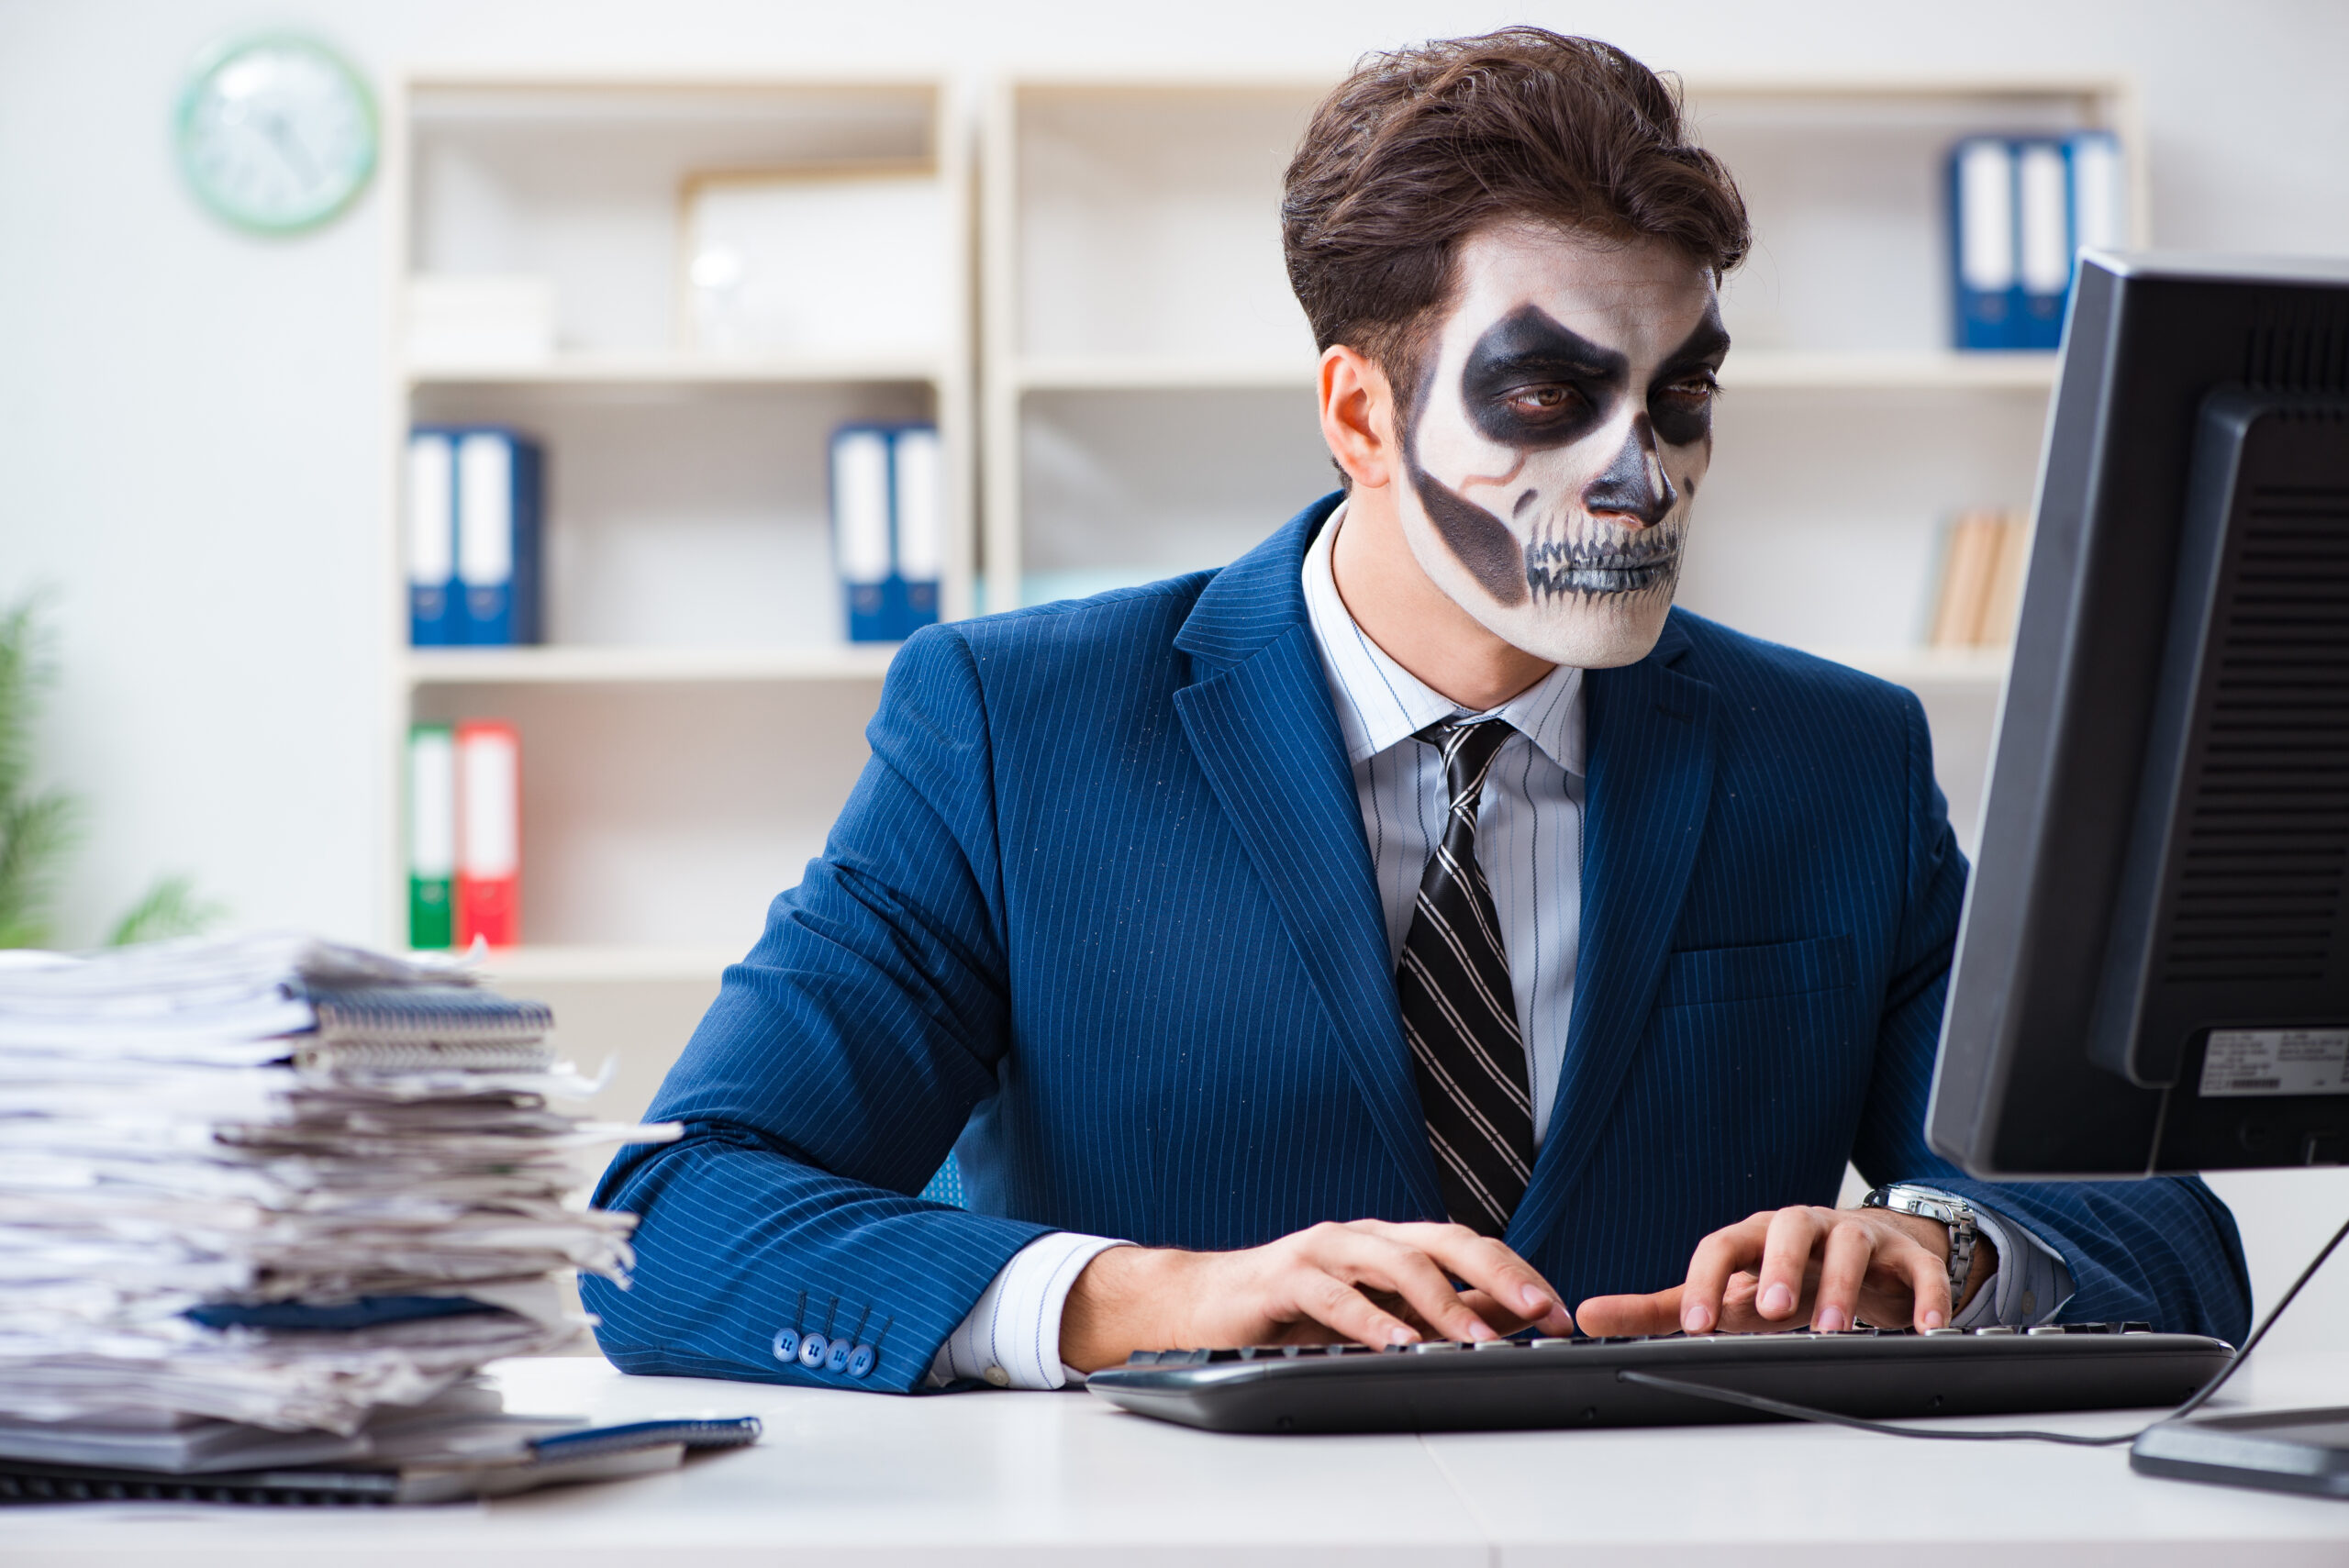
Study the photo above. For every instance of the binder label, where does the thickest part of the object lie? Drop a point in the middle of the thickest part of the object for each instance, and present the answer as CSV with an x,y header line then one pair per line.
x,y
860,503
485,510
431,541
1985,218
431,533
431,835
915,493
490,772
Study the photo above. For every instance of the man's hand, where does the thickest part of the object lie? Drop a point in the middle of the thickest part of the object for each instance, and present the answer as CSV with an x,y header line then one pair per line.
x,y
1786,1267
1370,1280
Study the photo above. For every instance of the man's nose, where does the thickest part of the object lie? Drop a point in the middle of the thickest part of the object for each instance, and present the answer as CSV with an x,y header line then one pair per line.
x,y
1633,486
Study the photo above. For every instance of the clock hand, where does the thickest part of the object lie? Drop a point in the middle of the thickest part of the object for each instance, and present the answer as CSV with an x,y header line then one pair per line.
x,y
289,147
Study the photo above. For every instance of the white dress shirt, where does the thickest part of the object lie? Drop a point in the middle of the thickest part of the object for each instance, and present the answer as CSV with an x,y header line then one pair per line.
x,y
1529,819
1529,839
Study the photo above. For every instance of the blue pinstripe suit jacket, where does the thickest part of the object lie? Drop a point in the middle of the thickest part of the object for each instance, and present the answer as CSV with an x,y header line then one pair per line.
x,y
1100,908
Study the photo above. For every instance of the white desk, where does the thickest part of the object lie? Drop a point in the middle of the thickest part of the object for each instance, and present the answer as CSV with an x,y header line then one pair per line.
x,y
1005,1478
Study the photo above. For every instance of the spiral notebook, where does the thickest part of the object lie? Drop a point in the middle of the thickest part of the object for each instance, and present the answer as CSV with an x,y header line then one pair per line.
x,y
407,1028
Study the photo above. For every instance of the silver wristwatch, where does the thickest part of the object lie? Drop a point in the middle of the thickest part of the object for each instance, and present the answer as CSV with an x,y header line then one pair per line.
x,y
1900,1197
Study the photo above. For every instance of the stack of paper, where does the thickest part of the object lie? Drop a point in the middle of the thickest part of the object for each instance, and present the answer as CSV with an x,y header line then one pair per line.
x,y
279,1184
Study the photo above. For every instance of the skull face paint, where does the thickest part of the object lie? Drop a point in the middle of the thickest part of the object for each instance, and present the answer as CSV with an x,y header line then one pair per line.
x,y
1561,425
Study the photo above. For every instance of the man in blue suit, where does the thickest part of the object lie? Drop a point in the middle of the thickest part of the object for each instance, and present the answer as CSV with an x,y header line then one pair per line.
x,y
1406,925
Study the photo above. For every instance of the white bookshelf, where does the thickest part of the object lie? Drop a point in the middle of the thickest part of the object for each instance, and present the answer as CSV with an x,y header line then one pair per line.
x,y
654,665
1135,302
1148,391
1961,668
549,962
691,372
1762,369
694,717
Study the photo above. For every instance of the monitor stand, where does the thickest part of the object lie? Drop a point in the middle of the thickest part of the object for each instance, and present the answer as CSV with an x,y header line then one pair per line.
x,y
2280,1451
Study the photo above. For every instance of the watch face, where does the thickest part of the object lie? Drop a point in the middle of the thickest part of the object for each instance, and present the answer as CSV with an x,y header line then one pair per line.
x,y
276,134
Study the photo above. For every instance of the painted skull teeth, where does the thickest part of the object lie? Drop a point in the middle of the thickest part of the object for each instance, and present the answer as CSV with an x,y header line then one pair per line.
x,y
1592,567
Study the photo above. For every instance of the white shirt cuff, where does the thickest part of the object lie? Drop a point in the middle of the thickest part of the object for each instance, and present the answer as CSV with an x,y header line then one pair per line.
x,y
1012,1335
2031,1284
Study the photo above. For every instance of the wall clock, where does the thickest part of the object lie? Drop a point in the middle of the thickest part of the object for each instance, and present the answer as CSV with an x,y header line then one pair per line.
x,y
276,134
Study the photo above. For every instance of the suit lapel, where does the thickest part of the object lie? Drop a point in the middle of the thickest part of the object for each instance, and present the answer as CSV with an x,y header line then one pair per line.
x,y
1650,776
1263,733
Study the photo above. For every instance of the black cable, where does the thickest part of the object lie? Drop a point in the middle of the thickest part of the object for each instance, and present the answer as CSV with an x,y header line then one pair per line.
x,y
2259,1333
1859,1423
2003,1434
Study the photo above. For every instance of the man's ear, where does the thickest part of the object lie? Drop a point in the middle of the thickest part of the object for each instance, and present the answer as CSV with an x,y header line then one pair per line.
x,y
1358,417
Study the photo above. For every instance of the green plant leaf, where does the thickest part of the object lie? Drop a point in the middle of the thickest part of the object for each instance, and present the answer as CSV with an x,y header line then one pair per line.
x,y
35,836
27,670
33,839
170,908
37,830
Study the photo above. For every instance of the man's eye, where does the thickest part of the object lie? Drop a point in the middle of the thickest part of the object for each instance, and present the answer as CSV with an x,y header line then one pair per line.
x,y
1693,391
1543,400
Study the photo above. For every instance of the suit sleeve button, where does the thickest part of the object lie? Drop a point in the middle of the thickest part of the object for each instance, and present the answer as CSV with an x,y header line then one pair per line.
x,y
786,1344
836,1359
998,1376
860,1361
813,1349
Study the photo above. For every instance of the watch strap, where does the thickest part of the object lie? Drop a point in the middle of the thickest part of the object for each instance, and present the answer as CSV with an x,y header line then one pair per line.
x,y
1955,1212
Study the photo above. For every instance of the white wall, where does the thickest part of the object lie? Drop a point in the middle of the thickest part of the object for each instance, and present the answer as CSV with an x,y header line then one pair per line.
x,y
191,421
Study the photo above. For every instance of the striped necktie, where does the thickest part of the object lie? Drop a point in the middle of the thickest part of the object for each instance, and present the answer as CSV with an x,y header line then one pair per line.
x,y
1459,1012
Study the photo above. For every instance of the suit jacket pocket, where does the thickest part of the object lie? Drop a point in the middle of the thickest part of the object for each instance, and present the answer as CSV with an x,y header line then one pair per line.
x,y
1751,973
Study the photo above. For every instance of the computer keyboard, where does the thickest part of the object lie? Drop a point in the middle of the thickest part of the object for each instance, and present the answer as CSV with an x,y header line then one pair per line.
x,y
1542,1382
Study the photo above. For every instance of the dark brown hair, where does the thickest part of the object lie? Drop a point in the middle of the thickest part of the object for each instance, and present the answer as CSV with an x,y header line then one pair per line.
x,y
1418,148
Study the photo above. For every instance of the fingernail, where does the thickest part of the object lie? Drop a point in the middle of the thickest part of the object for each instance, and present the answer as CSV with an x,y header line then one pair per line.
x,y
1933,1320
1399,1335
1776,1301
1480,1330
1692,1317
1532,1301
1830,1321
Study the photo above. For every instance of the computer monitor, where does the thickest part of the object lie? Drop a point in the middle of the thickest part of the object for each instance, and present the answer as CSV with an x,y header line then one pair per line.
x,y
2153,967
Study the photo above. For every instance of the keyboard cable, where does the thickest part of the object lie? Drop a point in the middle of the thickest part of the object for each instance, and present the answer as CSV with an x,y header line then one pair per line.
x,y
2005,1434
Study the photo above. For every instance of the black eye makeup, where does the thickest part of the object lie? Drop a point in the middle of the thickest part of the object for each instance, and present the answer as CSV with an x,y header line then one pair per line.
x,y
1682,412
1532,384
1680,400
